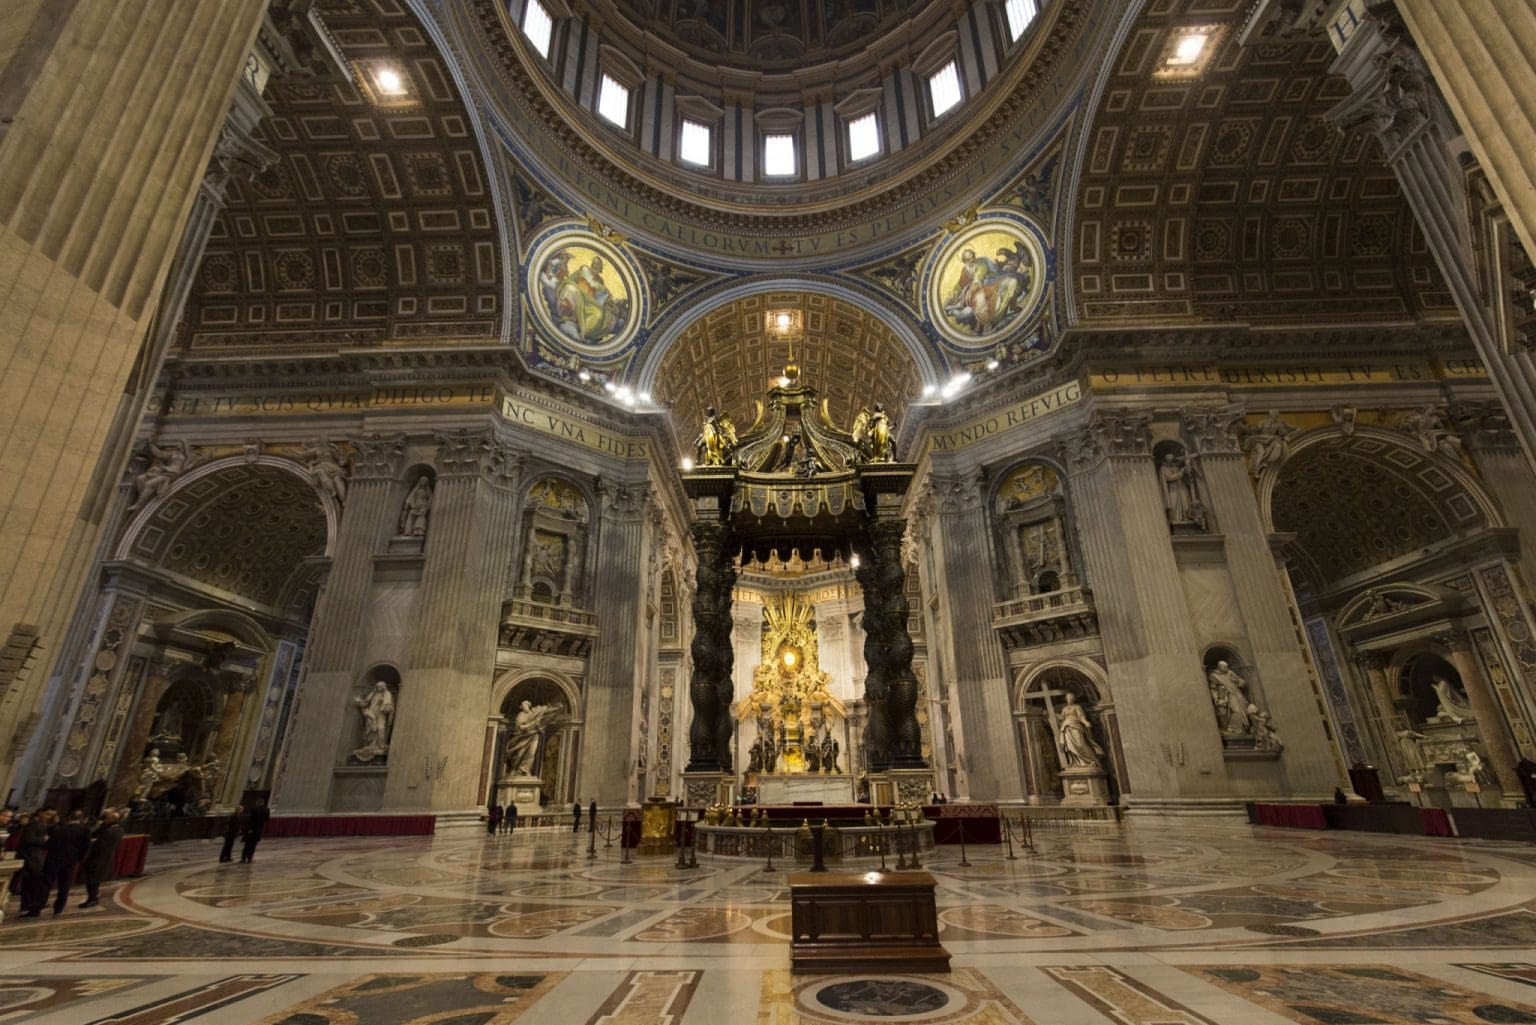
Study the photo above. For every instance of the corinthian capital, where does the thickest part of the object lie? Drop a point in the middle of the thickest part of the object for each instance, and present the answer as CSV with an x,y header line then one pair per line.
x,y
955,494
624,501
1214,429
377,456
474,453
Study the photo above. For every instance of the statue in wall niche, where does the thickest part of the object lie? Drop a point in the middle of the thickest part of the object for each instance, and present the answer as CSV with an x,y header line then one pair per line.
x,y
377,708
1469,768
1264,736
525,747
1229,693
1410,744
1344,417
418,504
1267,444
327,465
1074,733
1429,426
167,728
872,434
716,443
169,463
1452,706
1181,497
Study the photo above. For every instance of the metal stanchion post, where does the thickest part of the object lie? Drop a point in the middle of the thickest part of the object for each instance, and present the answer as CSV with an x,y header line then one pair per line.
x,y
1002,821
682,840
592,842
608,834
901,855
963,862
880,839
623,843
912,817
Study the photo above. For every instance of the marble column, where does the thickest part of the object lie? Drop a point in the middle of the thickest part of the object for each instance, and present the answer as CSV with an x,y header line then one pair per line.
x,y
85,248
1384,721
1172,746
616,669
1489,438
314,746
1285,681
1394,97
981,681
437,753
1491,725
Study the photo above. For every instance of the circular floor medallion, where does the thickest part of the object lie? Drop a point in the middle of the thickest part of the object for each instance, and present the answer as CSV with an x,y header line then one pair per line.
x,y
882,997
434,939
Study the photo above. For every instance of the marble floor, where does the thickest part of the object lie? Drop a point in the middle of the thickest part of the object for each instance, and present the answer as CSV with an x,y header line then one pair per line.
x,y
1136,925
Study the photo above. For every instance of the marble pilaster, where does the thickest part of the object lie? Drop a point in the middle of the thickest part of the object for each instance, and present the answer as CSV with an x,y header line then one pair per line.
x,y
616,669
980,673
436,755
1285,682
314,746
1169,734
1491,724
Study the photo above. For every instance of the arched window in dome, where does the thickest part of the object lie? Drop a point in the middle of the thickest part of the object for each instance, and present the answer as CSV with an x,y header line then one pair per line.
x,y
539,27
1021,14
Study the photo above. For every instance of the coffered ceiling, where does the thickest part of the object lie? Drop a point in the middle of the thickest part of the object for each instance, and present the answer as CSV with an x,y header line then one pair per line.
x,y
1222,192
376,221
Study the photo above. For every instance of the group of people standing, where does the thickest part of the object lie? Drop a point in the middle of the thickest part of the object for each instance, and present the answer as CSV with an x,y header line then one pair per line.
x,y
500,820
54,849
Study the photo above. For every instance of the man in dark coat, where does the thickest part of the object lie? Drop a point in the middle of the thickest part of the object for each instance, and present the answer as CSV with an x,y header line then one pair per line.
x,y
98,859
67,844
34,855
234,829
493,819
255,825
509,821
576,817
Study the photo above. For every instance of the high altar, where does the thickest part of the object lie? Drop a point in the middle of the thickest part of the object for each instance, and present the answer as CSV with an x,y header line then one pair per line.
x,y
797,754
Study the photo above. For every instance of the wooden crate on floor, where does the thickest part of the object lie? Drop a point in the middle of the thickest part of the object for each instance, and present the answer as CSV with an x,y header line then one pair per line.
x,y
864,921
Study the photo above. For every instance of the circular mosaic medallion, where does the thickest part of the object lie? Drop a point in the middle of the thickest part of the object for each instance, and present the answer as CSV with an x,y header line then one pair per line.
x,y
987,281
882,997
585,292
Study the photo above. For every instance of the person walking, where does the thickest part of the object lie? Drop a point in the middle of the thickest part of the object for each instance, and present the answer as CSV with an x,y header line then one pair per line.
x,y
493,819
233,829
576,817
34,855
255,825
509,821
592,816
67,844
97,868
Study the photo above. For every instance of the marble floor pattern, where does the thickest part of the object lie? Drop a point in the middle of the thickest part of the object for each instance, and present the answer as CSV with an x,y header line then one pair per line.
x,y
1135,925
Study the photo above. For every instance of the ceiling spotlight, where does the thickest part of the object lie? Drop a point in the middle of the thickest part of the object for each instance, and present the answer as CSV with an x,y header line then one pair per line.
x,y
1188,49
610,386
993,364
783,381
687,464
929,389
956,383
585,374
645,397
390,82
853,561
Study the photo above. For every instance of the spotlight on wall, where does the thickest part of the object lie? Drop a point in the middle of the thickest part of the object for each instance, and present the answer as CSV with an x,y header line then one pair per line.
x,y
956,384
853,561
1188,49
584,375
687,464
929,390
993,364
610,387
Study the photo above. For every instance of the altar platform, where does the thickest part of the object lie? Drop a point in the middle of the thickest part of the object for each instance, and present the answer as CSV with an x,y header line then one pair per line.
x,y
799,787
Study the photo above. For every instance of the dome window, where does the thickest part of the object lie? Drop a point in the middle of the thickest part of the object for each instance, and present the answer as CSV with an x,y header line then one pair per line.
x,y
944,89
1021,14
539,27
863,137
613,101
779,159
696,144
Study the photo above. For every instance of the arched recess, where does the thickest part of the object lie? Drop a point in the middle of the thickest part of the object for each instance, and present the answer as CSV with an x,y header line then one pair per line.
x,y
855,349
1030,515
556,541
555,757
1038,694
1363,500
230,559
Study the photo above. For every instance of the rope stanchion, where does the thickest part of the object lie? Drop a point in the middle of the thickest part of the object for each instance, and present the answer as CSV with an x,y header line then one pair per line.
x,y
769,867
1007,830
963,862
608,833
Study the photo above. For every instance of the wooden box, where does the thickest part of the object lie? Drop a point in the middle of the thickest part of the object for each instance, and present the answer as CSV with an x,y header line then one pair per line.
x,y
864,921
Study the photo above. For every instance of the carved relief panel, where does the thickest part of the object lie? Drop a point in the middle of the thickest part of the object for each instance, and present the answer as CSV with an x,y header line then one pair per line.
x,y
1030,513
555,533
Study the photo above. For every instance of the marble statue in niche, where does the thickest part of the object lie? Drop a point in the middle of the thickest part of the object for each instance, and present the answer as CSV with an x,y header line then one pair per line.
x,y
1229,693
1074,734
1429,426
377,708
417,508
1179,478
170,462
530,729
1451,706
1410,743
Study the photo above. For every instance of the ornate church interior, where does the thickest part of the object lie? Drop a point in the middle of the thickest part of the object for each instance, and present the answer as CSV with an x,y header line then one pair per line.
x,y
1015,512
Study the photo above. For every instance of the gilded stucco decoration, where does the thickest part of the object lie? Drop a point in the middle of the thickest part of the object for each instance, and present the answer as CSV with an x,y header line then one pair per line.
x,y
1026,484
584,291
986,282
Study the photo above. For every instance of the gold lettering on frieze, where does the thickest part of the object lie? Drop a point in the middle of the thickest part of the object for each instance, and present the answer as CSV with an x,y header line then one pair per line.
x,y
344,401
1013,416
1178,375
527,414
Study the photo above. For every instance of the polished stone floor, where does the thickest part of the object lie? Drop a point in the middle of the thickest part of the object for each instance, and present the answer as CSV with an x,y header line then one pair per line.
x,y
1136,925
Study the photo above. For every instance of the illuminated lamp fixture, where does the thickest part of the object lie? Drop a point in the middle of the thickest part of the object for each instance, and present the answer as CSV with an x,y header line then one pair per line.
x,y
644,397
993,364
955,384
853,561
389,82
687,464
786,325
1188,49
610,387
584,374
929,390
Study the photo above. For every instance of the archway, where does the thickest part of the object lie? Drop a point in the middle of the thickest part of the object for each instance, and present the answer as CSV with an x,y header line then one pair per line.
x,y
1070,757
541,742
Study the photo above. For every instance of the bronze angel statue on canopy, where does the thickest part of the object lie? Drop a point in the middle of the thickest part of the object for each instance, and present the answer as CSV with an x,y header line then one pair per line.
x,y
716,443
872,435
